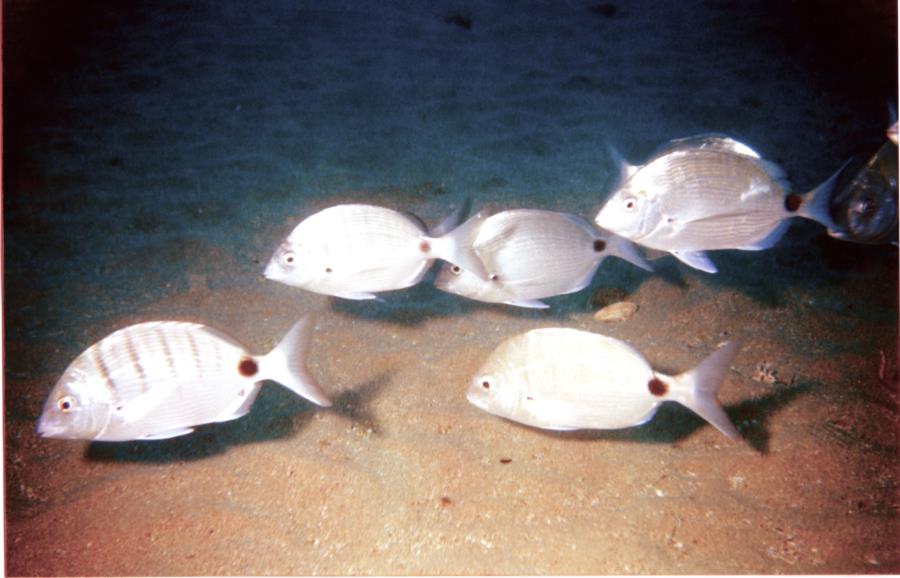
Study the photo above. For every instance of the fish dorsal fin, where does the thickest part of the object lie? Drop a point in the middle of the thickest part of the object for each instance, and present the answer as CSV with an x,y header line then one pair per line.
x,y
415,219
712,141
776,173
626,169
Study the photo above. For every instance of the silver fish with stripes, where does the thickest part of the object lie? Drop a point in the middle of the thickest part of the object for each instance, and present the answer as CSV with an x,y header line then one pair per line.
x,y
565,379
706,193
355,251
159,379
531,254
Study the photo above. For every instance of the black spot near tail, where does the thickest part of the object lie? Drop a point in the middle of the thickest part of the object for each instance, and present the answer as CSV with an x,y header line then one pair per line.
x,y
248,367
792,202
425,247
657,387
599,245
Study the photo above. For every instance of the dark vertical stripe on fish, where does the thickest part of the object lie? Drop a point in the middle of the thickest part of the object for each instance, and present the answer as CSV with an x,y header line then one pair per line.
x,y
170,361
104,371
135,361
195,353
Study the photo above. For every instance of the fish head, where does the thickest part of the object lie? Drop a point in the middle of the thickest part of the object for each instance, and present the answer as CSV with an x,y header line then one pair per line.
x,y
630,212
493,391
458,281
289,264
79,405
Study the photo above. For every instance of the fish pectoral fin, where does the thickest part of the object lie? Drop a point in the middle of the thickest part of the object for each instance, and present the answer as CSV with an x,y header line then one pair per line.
x,y
242,407
167,434
697,260
135,409
529,303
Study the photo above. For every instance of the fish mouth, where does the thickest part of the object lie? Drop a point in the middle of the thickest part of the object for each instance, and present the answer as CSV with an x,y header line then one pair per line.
x,y
476,398
272,271
50,430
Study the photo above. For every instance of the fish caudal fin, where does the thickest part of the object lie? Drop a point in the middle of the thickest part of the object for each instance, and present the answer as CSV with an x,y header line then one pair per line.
x,y
452,220
457,247
624,249
701,385
286,364
817,202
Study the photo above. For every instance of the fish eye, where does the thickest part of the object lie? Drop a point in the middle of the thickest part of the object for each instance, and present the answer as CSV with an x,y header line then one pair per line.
x,y
486,383
630,204
455,270
66,404
287,258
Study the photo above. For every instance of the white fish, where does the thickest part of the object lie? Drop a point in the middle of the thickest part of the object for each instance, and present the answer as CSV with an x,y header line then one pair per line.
x,y
355,251
705,193
565,379
531,254
157,380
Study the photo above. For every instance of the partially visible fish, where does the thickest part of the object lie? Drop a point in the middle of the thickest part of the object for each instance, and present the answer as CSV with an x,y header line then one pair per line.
x,y
531,254
159,379
706,193
864,201
566,379
355,251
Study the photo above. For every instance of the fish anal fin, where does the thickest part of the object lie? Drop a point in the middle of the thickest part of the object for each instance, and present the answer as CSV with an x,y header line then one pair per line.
x,y
172,433
529,303
697,260
356,296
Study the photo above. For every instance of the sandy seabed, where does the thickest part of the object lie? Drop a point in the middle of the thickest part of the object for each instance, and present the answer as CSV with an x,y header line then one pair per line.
x,y
162,152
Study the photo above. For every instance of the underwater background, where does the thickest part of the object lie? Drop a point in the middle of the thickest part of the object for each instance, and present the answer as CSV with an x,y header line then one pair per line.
x,y
156,153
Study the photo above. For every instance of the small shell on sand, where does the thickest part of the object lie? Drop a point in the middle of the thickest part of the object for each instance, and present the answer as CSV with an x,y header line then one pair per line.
x,y
616,312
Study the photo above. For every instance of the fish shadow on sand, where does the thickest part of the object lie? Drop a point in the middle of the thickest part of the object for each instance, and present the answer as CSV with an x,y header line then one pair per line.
x,y
409,307
768,276
276,414
353,403
674,423
424,301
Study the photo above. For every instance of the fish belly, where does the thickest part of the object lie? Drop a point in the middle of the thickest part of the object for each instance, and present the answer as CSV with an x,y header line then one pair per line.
x,y
373,251
715,203
577,379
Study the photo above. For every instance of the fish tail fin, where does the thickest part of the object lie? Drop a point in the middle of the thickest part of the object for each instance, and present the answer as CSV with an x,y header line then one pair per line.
x,y
817,202
286,364
702,384
626,250
457,246
452,220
